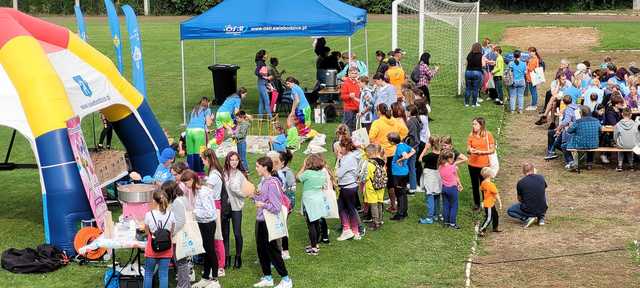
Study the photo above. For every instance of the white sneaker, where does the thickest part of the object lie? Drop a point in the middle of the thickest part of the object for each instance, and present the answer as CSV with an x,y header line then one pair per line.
x,y
346,235
531,108
604,159
357,237
285,284
530,221
202,283
264,282
285,255
480,100
466,105
221,272
213,284
477,104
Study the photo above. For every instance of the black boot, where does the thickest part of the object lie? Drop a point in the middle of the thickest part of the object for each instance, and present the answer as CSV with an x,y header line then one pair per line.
x,y
238,262
227,262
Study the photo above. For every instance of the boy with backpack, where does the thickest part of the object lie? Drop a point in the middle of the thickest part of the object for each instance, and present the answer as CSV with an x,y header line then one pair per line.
x,y
375,183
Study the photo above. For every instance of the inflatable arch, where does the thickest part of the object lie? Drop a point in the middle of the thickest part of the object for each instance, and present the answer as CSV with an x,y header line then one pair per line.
x,y
48,75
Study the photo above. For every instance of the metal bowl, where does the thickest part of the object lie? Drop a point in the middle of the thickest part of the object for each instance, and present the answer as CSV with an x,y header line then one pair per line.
x,y
136,193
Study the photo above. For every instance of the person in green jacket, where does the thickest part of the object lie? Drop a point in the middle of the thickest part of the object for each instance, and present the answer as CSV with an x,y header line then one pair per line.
x,y
498,72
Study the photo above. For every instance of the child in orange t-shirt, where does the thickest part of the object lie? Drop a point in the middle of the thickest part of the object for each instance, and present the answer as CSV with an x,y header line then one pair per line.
x,y
490,193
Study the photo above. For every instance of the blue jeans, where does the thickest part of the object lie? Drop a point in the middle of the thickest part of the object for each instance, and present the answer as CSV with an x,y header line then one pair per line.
x,y
450,204
163,271
516,91
242,150
413,179
473,79
533,90
515,211
264,99
433,205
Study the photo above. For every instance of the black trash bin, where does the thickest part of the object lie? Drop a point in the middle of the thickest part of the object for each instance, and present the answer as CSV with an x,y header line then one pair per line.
x,y
225,77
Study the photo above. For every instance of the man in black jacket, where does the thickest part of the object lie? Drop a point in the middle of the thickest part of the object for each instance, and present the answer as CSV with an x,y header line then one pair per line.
x,y
532,199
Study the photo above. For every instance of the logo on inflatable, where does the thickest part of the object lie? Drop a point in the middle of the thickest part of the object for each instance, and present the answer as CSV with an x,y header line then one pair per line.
x,y
116,40
231,29
84,86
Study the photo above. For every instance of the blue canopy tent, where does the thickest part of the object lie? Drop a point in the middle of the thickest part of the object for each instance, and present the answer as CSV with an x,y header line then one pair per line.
x,y
233,19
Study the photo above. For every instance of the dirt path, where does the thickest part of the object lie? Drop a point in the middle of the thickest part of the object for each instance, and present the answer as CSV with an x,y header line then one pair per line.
x,y
595,210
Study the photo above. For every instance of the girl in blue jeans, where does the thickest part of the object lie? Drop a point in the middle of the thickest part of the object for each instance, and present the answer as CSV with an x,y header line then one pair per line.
x,y
516,91
261,72
450,187
473,75
158,218
431,181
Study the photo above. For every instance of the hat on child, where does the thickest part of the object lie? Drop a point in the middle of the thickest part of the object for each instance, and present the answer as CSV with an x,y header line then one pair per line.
x,y
166,155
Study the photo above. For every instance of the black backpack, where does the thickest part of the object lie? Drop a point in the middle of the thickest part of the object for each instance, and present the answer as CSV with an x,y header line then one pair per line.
x,y
46,258
415,74
161,239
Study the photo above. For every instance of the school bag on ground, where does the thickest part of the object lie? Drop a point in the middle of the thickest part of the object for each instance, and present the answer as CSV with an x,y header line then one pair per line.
x,y
45,258
379,179
161,238
415,74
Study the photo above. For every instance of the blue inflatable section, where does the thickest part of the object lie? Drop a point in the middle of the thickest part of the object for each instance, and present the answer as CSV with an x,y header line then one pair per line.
x,y
64,190
143,156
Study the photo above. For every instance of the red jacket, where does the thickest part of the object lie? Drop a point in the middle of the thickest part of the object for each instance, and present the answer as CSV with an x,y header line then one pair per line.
x,y
350,86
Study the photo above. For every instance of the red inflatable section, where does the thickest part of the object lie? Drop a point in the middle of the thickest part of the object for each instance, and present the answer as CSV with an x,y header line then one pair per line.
x,y
39,29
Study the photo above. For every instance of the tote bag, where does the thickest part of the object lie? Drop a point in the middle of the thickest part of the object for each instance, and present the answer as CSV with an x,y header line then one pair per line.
x,y
188,239
537,76
494,164
276,223
331,201
360,136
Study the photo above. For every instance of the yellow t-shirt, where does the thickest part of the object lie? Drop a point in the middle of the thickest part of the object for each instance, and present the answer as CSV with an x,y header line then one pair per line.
x,y
396,78
489,192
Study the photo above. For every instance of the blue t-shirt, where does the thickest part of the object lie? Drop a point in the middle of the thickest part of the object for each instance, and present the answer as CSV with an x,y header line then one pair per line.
x,y
280,143
573,92
162,174
199,120
230,104
518,70
296,91
400,170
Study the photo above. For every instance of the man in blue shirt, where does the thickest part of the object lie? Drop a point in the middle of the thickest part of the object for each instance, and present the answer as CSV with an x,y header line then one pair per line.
x,y
585,135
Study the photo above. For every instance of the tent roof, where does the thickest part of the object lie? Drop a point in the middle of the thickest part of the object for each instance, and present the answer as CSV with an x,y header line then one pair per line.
x,y
274,18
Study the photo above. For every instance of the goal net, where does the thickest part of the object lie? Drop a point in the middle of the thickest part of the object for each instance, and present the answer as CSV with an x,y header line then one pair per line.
x,y
443,28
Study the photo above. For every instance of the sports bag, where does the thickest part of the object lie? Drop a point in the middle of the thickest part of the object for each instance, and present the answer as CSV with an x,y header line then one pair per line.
x,y
507,78
379,179
45,258
161,238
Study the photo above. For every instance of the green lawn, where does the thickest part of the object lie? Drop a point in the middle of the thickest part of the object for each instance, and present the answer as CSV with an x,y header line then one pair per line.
x,y
402,254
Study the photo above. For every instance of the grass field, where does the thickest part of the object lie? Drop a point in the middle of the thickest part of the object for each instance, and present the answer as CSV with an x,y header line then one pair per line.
x,y
402,254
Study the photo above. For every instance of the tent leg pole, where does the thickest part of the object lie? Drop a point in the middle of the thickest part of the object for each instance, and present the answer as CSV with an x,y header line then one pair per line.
x,y
366,46
184,101
215,58
13,138
349,43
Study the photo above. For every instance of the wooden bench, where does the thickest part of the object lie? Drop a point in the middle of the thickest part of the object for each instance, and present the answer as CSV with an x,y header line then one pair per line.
x,y
599,149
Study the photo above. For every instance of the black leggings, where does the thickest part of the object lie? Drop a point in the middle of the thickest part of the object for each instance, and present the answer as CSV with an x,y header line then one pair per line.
x,y
419,168
108,133
314,230
324,230
425,91
208,231
236,217
268,251
401,193
476,179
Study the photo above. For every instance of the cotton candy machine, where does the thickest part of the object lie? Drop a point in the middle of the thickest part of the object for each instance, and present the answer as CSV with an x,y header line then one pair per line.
x,y
135,199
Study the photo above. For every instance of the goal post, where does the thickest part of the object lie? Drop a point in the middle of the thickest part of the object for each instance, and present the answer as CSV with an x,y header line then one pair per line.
x,y
443,28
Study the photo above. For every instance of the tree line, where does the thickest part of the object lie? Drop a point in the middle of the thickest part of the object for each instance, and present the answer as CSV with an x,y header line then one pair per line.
x,y
192,7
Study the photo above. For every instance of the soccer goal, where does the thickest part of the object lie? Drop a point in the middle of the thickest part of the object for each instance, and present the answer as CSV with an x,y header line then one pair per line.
x,y
443,28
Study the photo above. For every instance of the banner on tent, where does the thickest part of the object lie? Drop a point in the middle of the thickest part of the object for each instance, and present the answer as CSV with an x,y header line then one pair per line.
x,y
82,30
86,171
114,26
136,49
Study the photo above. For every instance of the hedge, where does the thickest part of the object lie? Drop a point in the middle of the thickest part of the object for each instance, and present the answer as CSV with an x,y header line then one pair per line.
x,y
191,7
